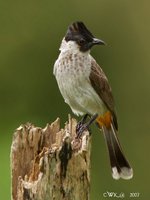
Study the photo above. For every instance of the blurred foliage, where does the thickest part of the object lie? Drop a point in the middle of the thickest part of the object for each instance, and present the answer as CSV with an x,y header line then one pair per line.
x,y
30,35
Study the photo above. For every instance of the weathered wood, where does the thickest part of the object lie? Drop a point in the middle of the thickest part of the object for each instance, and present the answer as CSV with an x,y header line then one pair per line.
x,y
49,163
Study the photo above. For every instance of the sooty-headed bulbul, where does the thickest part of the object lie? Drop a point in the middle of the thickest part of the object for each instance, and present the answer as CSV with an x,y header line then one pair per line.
x,y
85,88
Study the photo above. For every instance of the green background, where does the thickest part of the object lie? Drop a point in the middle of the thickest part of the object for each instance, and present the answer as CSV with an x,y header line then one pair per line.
x,y
30,36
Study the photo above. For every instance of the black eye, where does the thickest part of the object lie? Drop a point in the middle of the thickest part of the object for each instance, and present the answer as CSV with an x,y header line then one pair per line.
x,y
81,41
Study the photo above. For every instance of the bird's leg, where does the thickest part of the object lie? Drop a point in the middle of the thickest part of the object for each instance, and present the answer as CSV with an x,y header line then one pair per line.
x,y
81,123
84,126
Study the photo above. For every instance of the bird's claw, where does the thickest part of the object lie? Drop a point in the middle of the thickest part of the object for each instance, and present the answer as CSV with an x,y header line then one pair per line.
x,y
82,126
80,129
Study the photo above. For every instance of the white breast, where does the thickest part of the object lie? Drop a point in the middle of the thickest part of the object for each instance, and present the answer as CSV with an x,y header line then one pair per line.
x,y
72,70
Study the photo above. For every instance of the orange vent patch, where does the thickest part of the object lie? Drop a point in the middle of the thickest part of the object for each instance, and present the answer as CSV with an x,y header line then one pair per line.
x,y
104,120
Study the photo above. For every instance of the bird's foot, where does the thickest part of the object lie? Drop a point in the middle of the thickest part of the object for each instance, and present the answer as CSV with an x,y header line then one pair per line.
x,y
83,125
80,123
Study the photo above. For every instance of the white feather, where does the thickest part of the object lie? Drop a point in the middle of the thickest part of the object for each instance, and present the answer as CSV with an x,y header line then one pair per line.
x,y
72,70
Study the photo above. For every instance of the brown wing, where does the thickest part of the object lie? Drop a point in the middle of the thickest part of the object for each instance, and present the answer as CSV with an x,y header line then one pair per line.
x,y
101,86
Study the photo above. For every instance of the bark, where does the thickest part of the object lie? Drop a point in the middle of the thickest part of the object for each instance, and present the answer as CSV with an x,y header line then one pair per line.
x,y
50,163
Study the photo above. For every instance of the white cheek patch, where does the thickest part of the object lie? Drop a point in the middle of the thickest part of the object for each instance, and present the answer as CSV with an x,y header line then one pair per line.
x,y
70,45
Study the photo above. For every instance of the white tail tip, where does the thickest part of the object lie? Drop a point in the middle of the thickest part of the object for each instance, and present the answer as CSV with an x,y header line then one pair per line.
x,y
126,173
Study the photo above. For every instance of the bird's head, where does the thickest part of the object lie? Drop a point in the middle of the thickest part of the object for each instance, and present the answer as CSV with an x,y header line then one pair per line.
x,y
78,33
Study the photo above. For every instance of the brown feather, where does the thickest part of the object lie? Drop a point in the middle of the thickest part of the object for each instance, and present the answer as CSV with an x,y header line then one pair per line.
x,y
100,84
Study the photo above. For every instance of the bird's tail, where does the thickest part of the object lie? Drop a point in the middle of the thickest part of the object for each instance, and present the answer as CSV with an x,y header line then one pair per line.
x,y
119,164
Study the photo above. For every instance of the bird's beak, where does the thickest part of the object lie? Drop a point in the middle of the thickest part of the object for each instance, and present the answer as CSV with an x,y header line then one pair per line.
x,y
98,42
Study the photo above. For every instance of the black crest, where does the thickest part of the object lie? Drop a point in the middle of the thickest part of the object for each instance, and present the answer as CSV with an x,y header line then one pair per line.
x,y
78,30
82,36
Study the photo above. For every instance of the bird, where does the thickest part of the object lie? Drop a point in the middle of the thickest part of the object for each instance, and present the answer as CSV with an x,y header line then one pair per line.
x,y
85,88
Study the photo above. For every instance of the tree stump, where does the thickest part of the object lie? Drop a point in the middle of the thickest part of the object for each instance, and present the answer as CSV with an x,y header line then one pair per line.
x,y
50,163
